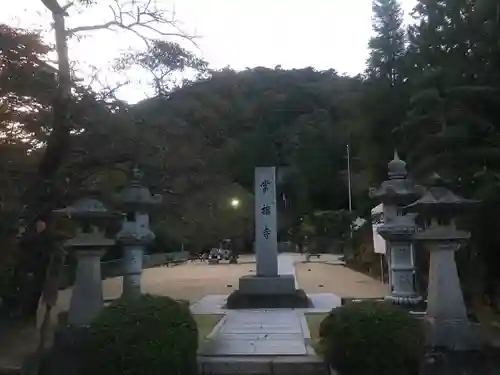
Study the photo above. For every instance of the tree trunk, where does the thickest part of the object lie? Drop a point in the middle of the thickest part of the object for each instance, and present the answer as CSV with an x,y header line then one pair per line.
x,y
42,195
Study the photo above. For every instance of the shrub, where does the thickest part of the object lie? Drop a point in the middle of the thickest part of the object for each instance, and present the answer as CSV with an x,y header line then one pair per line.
x,y
372,338
8,263
150,336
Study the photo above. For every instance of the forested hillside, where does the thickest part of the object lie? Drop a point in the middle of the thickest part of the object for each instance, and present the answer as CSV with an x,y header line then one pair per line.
x,y
430,90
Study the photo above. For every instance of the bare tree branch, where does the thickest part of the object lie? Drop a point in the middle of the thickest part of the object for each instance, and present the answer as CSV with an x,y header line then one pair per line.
x,y
69,5
93,27
142,18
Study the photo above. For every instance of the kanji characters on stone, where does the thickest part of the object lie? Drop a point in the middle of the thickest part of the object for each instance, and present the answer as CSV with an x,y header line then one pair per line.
x,y
265,186
266,210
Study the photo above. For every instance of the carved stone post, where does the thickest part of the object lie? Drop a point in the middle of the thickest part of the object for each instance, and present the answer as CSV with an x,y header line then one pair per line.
x,y
136,201
446,319
398,230
89,245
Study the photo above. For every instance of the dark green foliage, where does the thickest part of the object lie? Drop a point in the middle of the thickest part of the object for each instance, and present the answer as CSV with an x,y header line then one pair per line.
x,y
372,338
153,335
7,285
436,100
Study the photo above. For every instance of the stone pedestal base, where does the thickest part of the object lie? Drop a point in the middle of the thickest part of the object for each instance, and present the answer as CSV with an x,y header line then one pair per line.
x,y
267,292
282,284
86,300
455,335
404,300
133,271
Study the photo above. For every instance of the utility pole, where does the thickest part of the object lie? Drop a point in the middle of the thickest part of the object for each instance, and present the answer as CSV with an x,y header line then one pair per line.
x,y
349,177
350,198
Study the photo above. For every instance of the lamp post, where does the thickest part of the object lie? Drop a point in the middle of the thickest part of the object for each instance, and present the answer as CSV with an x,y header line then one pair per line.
x,y
235,203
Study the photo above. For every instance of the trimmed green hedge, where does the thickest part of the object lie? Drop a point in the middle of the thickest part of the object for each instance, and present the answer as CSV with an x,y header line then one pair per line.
x,y
374,338
150,336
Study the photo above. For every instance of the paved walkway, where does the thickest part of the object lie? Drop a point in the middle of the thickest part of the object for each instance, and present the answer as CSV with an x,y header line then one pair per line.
x,y
262,332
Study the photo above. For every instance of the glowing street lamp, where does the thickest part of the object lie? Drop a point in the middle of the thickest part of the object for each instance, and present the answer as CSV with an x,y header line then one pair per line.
x,y
235,203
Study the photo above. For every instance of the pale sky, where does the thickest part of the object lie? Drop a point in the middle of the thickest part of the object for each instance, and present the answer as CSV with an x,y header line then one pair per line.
x,y
323,34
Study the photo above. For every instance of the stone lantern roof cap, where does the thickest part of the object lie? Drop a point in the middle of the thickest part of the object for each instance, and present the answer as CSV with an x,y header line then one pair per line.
x,y
398,189
439,198
137,193
84,208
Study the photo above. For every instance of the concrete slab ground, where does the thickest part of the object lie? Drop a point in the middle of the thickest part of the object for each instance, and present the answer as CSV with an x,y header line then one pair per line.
x,y
264,335
258,333
214,304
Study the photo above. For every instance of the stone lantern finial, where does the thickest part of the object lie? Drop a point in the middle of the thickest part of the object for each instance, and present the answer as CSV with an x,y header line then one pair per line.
x,y
397,167
137,176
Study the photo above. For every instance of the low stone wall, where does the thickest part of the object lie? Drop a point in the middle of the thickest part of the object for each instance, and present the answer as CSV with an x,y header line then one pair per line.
x,y
114,268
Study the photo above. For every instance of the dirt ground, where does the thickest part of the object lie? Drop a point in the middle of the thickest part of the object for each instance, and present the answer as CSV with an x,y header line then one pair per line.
x,y
319,277
193,281
188,281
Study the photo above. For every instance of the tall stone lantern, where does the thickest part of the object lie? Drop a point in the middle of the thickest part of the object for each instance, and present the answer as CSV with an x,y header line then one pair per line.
x,y
89,244
398,231
136,201
446,319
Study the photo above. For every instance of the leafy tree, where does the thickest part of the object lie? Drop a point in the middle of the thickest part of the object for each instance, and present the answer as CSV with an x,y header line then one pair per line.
x,y
44,191
387,47
384,97
160,60
452,123
26,85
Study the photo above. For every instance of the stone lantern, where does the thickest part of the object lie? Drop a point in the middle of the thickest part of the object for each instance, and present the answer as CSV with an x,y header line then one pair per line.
x,y
89,245
398,230
136,201
446,316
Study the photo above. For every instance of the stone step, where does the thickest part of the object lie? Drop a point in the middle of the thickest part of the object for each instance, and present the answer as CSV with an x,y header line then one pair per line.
x,y
264,365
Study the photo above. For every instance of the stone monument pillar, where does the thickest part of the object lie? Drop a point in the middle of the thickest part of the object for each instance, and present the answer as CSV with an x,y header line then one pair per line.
x,y
136,202
398,230
89,245
446,319
267,289
266,229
